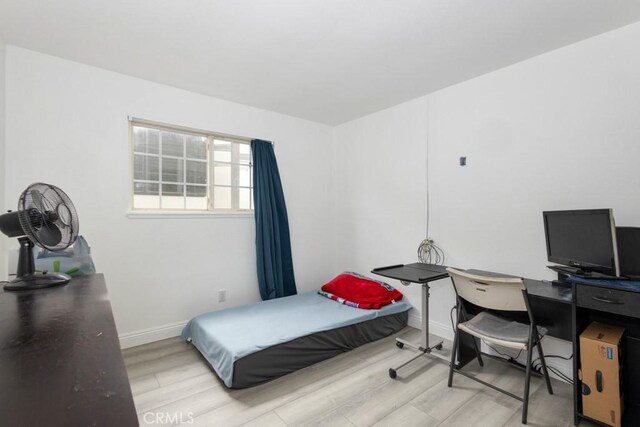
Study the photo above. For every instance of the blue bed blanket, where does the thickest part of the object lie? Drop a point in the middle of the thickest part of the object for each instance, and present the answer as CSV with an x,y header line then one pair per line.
x,y
228,335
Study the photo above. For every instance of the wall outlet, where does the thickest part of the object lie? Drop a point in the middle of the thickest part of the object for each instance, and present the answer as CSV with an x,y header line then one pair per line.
x,y
222,295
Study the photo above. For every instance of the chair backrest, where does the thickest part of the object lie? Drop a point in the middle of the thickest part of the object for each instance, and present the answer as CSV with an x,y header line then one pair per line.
x,y
494,293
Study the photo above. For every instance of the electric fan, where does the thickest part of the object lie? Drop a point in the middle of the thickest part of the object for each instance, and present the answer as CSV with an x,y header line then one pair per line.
x,y
45,217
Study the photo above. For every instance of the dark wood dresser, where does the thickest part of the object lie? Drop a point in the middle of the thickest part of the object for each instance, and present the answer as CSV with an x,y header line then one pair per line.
x,y
60,359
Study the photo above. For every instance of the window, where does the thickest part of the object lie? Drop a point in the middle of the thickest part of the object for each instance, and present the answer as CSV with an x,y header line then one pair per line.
x,y
179,169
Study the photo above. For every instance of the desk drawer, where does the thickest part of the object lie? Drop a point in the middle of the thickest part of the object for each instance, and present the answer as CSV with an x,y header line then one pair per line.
x,y
608,300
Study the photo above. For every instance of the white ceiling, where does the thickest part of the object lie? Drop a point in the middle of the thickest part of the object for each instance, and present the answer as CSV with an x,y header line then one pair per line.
x,y
328,61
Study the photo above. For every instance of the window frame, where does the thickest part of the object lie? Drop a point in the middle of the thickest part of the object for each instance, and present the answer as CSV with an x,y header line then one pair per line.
x,y
210,162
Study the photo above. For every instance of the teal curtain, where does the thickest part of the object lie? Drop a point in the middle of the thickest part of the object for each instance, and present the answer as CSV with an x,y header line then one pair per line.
x,y
273,242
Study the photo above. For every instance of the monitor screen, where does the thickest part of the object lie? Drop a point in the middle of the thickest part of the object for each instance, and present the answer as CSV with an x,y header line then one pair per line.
x,y
582,238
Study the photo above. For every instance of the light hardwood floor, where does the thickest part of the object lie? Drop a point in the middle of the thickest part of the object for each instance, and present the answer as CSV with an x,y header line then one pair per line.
x,y
171,382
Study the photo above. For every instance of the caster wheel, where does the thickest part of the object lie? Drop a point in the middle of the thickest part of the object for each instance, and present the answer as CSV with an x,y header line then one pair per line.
x,y
399,345
438,347
392,373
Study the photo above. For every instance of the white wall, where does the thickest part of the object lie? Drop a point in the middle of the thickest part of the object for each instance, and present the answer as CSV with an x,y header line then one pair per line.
x,y
559,131
379,183
3,263
67,125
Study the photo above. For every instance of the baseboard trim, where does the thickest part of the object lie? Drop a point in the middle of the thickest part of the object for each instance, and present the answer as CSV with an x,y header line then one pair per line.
x,y
415,321
146,336
441,329
436,328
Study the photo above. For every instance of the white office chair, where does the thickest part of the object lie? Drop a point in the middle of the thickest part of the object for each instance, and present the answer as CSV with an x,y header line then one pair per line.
x,y
497,294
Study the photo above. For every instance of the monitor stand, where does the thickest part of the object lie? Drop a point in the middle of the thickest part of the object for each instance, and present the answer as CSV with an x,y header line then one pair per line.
x,y
582,273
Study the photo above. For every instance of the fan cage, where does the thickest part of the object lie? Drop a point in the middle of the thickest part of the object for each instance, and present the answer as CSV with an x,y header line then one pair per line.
x,y
43,206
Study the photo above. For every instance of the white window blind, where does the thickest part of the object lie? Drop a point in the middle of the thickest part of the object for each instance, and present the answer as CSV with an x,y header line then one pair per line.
x,y
177,169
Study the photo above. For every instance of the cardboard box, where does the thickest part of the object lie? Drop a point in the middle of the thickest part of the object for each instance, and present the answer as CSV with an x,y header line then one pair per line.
x,y
601,368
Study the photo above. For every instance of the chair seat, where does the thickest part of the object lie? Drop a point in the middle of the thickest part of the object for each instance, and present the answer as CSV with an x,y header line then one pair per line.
x,y
501,331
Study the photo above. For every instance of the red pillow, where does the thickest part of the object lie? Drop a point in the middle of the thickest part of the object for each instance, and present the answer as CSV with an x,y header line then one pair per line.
x,y
364,292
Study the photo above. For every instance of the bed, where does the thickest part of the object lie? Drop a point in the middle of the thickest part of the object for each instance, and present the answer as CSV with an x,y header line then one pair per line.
x,y
252,344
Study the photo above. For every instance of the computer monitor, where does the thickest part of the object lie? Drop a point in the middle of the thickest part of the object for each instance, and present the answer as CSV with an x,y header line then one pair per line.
x,y
582,239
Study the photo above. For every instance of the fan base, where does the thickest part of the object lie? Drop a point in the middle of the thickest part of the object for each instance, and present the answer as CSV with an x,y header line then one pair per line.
x,y
37,281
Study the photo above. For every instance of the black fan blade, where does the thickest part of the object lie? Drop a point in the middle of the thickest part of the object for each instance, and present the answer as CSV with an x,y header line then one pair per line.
x,y
36,196
49,234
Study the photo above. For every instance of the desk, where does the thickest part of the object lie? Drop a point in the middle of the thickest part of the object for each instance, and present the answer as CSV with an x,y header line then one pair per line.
x,y
60,359
615,304
551,305
421,274
565,311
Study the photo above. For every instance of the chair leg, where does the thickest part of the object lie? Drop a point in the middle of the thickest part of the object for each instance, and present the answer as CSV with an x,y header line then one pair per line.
x,y
454,352
478,354
527,381
544,368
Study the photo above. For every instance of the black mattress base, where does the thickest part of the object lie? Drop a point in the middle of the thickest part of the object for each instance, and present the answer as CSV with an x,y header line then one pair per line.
x,y
282,359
